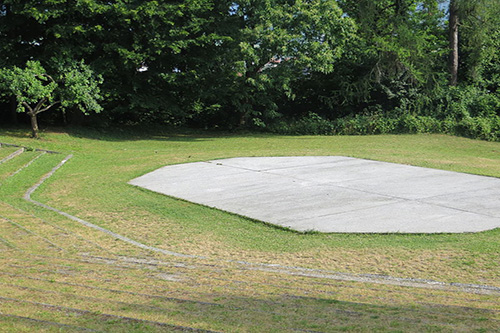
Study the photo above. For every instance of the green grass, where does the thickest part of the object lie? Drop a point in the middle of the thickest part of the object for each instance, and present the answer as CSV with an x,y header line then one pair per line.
x,y
93,186
6,151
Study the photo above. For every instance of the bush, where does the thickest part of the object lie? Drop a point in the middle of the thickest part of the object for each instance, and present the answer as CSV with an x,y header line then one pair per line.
x,y
418,124
375,123
479,128
311,124
465,102
465,110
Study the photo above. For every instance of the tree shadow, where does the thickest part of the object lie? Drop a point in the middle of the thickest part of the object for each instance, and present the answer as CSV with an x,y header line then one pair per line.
x,y
115,134
133,133
154,133
19,132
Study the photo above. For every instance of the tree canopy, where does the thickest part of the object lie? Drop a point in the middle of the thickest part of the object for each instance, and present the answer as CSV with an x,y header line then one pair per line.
x,y
273,64
36,91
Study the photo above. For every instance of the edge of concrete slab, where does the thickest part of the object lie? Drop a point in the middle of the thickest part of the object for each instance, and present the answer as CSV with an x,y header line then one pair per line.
x,y
305,230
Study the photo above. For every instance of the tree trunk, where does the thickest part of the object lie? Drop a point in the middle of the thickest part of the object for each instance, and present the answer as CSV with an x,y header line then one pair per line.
x,y
243,119
453,30
13,110
34,125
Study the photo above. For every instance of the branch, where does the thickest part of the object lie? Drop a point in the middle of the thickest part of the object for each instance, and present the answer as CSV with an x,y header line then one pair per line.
x,y
50,77
39,104
48,107
47,76
277,61
26,105
387,7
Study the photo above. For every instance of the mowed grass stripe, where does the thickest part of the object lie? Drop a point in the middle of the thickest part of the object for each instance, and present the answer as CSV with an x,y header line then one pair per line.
x,y
96,243
106,295
199,285
191,315
88,319
52,233
40,231
23,239
62,226
12,155
6,151
202,282
298,285
329,303
26,324
14,187
17,164
325,313
7,245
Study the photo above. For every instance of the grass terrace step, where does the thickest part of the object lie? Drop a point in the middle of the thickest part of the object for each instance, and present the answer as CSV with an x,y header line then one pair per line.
x,y
24,239
250,295
12,155
6,151
63,238
17,164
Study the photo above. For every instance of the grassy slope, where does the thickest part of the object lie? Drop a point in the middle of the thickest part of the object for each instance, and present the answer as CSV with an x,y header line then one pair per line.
x,y
93,186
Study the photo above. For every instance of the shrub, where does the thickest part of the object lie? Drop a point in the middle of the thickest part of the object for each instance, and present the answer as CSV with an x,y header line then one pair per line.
x,y
479,128
311,124
418,124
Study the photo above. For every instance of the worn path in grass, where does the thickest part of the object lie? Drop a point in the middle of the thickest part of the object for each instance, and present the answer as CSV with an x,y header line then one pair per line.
x,y
336,194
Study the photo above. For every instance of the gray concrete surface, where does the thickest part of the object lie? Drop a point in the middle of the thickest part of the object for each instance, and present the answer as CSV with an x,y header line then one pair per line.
x,y
336,194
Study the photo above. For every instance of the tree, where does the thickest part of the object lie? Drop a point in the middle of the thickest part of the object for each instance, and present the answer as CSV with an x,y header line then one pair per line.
x,y
396,57
36,91
476,21
159,59
276,42
453,40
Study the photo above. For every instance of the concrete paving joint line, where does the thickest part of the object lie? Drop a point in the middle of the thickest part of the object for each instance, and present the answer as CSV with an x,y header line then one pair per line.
x,y
335,194
277,268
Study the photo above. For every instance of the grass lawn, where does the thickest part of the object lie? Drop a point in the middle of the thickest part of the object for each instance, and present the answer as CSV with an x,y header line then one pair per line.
x,y
93,186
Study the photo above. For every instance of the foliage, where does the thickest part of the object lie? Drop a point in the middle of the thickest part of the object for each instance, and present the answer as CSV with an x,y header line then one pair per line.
x,y
30,85
272,43
312,123
36,91
477,127
265,64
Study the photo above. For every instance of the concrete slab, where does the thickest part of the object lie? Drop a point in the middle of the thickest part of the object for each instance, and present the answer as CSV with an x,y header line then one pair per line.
x,y
336,194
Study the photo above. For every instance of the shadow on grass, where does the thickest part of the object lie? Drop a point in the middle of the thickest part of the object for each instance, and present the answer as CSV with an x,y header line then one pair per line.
x,y
153,133
116,134
17,132
241,313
